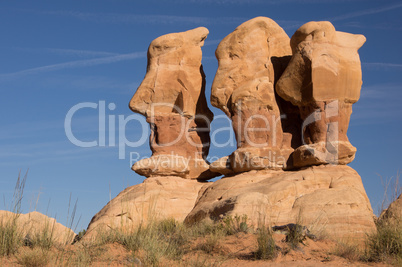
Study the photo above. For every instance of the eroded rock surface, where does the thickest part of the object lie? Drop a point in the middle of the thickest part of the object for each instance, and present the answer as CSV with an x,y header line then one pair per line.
x,y
172,98
35,223
394,211
251,59
156,198
325,198
323,79
290,102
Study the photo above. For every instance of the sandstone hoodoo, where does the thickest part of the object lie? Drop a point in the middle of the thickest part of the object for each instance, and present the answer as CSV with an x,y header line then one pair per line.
x,y
323,79
172,98
290,101
251,59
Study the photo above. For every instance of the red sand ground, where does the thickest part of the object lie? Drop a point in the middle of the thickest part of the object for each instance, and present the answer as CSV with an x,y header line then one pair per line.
x,y
230,251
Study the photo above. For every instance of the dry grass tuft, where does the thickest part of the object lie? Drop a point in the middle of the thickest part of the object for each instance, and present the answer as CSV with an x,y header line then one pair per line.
x,y
35,257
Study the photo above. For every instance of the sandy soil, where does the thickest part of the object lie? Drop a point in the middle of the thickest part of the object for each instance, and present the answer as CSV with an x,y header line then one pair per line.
x,y
230,251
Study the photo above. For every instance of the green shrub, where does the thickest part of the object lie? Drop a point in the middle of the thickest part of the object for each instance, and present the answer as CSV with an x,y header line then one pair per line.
x,y
386,243
165,238
266,244
203,228
10,237
44,238
237,224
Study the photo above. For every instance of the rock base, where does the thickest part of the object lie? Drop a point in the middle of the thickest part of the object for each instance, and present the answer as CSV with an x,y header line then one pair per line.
x,y
327,199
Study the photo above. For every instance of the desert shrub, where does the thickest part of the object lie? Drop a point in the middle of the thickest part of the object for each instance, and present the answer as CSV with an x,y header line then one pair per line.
x,y
81,233
10,237
153,241
83,257
232,225
266,244
35,257
44,238
203,228
210,243
386,243
167,226
79,236
348,251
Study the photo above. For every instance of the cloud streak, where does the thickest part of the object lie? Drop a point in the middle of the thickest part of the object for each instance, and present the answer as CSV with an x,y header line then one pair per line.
x,y
143,19
246,2
68,52
75,64
80,53
366,12
149,19
371,104
380,65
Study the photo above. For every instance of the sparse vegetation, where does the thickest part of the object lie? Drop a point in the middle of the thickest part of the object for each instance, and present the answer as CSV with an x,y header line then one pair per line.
x,y
348,251
168,242
232,225
10,237
35,257
386,243
44,238
210,243
266,244
165,238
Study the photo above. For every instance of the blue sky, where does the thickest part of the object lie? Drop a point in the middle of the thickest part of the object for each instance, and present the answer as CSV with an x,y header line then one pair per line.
x,y
57,54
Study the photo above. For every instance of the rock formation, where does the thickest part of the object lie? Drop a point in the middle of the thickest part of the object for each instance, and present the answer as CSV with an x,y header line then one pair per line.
x,y
251,59
35,223
327,199
290,102
315,95
172,98
155,198
394,211
323,79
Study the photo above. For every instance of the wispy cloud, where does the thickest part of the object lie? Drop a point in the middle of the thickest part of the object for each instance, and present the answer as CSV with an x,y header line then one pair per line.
x,y
75,64
380,65
43,152
223,2
141,19
266,2
371,104
27,129
68,52
80,53
382,91
366,12
385,25
119,18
